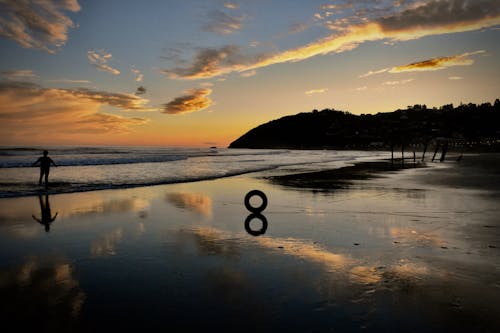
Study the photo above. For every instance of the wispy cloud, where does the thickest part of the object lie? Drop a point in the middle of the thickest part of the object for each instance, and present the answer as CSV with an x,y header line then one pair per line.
x,y
396,83
231,5
315,91
193,100
370,73
211,62
441,16
139,77
59,114
41,25
297,28
99,59
69,81
422,19
430,64
248,73
328,6
438,63
19,75
222,23
455,78
363,88
126,102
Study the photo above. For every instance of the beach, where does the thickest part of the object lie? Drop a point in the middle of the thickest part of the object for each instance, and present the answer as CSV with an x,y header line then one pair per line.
x,y
366,249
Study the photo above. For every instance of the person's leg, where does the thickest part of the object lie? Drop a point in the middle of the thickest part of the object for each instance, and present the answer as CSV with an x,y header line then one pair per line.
x,y
46,179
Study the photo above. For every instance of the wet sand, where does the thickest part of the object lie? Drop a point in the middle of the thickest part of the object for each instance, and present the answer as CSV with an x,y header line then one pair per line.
x,y
343,177
361,249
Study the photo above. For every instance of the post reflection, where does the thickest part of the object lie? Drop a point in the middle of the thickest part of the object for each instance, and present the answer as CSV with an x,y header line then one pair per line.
x,y
46,217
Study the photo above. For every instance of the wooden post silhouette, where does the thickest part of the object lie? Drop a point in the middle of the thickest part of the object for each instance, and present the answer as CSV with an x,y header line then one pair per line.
x,y
392,152
402,153
443,154
435,152
425,149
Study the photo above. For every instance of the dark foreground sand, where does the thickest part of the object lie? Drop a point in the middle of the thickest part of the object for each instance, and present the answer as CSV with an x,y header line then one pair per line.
x,y
361,249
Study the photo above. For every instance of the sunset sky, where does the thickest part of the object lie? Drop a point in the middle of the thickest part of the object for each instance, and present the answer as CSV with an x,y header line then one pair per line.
x,y
202,73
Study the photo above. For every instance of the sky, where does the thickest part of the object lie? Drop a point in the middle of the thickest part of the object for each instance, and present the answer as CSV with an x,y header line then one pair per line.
x,y
202,73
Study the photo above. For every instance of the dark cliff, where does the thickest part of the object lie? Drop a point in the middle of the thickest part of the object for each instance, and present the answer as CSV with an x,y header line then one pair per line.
x,y
331,129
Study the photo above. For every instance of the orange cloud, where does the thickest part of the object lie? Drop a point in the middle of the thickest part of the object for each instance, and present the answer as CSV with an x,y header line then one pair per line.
x,y
430,64
249,73
139,77
194,100
315,91
41,25
231,5
425,19
370,73
31,113
395,83
438,63
126,102
100,59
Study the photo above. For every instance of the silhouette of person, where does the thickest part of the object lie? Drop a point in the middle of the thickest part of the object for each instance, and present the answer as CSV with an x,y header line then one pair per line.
x,y
46,214
44,162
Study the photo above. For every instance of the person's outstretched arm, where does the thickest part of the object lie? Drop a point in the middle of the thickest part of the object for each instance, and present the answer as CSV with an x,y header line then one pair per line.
x,y
54,163
37,161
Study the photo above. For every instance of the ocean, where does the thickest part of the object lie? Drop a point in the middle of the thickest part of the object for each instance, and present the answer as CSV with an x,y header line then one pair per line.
x,y
97,168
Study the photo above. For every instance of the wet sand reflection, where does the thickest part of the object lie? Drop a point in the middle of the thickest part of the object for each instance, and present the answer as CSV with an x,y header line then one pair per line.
x,y
195,202
43,289
107,243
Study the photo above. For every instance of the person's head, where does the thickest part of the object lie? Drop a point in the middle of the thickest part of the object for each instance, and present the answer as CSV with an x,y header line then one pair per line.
x,y
45,153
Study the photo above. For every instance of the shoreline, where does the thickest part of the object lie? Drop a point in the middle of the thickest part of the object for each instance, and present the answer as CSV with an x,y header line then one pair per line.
x,y
475,170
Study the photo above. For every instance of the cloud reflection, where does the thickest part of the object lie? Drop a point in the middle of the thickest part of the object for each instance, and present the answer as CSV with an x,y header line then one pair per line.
x,y
45,290
106,244
195,202
399,273
211,241
101,206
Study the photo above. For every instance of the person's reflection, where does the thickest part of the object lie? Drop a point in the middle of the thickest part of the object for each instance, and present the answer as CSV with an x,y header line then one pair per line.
x,y
46,214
